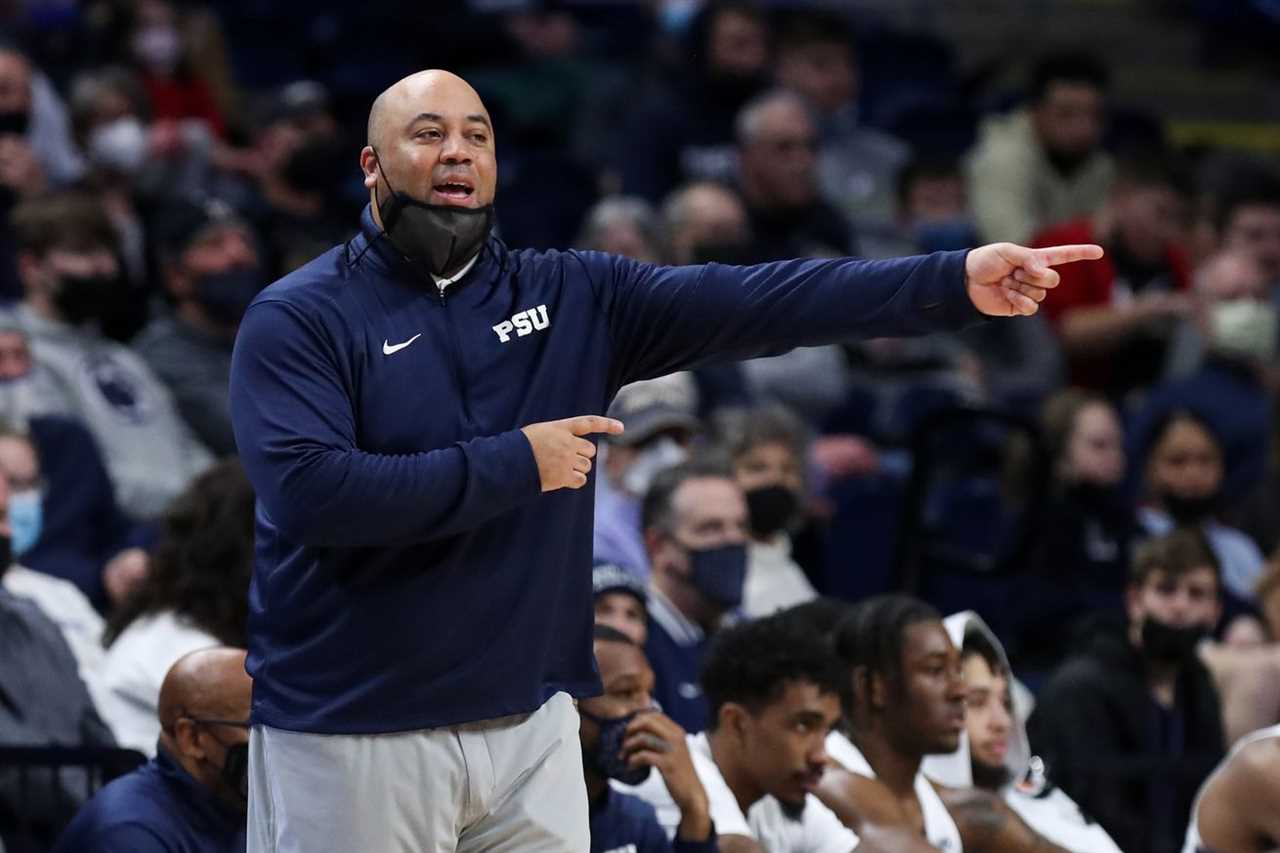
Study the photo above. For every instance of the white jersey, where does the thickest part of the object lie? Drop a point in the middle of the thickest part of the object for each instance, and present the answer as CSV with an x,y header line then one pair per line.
x,y
815,829
1057,817
939,829
1194,842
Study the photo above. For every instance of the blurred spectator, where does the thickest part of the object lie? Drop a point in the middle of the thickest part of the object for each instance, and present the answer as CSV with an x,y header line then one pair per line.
x,y
211,274
624,225
1225,357
1080,562
767,447
778,176
160,47
35,134
303,181
60,600
193,794
706,222
858,166
932,208
1184,480
196,594
661,422
684,129
1131,726
1248,219
1043,164
69,271
1117,317
774,689
82,536
621,601
625,712
695,528
43,702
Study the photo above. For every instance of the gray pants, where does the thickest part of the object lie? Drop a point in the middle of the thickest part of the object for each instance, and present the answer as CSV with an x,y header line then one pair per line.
x,y
510,784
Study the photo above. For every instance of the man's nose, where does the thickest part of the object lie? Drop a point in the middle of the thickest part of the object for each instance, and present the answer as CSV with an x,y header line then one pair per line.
x,y
453,151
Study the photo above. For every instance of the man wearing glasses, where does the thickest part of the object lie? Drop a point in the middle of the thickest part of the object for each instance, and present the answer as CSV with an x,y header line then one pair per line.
x,y
193,796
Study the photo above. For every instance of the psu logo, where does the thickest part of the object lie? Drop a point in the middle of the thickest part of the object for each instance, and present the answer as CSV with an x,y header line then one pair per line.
x,y
524,323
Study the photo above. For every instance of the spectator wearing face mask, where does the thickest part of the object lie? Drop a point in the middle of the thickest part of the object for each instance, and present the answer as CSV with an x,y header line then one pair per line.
x,y
195,595
621,601
624,738
660,425
35,137
1248,220
1228,351
1184,479
193,795
75,531
767,447
695,530
1131,725
624,225
159,47
69,271
212,272
58,599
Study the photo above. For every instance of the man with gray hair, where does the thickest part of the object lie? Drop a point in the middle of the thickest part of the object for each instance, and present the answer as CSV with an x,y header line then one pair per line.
x,y
778,176
706,221
624,225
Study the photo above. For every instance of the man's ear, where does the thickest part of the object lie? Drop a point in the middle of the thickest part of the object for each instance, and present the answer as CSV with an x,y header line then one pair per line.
x,y
734,719
370,165
187,735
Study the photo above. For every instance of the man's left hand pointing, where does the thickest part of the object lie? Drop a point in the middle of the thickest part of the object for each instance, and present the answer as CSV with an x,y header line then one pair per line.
x,y
1008,280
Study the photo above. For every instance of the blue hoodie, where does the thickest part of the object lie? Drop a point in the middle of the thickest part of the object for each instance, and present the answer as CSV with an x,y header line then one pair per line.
x,y
410,573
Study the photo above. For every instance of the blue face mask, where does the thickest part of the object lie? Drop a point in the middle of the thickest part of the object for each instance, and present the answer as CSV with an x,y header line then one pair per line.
x,y
719,573
26,516
607,758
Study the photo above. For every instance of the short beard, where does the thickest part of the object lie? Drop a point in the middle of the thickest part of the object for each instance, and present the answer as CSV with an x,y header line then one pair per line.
x,y
988,777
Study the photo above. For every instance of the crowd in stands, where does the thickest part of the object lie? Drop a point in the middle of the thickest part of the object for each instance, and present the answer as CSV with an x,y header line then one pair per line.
x,y
1093,492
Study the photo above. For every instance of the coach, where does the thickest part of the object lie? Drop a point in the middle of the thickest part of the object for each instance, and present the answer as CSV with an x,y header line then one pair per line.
x,y
413,409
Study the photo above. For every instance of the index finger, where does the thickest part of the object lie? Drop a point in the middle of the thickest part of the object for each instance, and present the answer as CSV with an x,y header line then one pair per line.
x,y
1054,255
589,424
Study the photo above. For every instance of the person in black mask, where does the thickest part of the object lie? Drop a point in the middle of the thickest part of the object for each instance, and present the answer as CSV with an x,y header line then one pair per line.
x,y
695,522
1184,476
212,272
22,174
1132,724
768,447
193,795
624,737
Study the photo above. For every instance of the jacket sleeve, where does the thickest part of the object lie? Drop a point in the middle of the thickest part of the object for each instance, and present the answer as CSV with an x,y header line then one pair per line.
x,y
664,319
295,427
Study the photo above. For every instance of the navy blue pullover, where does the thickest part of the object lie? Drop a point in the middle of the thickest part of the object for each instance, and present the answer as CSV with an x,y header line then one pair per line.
x,y
410,573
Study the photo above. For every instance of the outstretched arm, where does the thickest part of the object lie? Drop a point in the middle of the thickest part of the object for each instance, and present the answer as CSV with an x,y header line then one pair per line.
x,y
988,825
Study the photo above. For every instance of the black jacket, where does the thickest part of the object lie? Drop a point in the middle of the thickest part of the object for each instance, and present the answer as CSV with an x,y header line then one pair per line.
x,y
1126,762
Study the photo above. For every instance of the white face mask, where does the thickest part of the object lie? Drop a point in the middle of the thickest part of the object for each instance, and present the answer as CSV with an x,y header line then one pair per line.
x,y
120,146
1245,328
158,46
660,455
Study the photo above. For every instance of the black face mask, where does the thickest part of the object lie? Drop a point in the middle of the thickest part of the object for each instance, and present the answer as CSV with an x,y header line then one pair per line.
x,y
1093,497
14,122
719,573
771,508
1189,511
6,554
606,757
82,298
439,237
235,771
226,295
1162,643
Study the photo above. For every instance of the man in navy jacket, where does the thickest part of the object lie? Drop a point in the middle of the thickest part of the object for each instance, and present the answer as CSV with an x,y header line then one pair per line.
x,y
413,410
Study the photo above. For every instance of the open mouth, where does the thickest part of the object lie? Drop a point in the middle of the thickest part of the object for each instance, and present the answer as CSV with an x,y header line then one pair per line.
x,y
454,190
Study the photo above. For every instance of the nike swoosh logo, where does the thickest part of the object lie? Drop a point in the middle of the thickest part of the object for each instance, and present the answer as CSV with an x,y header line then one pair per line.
x,y
391,349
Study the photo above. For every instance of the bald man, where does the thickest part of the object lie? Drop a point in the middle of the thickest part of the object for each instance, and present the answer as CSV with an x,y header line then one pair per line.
x,y
190,798
417,411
